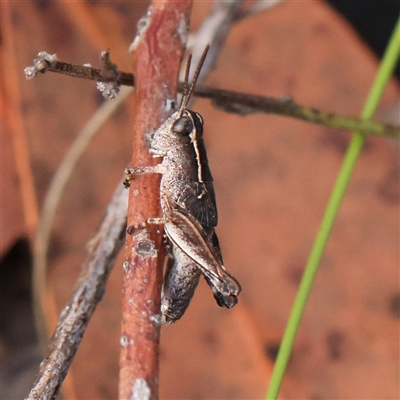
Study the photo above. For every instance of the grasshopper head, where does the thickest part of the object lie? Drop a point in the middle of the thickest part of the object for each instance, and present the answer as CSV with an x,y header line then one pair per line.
x,y
178,130
183,126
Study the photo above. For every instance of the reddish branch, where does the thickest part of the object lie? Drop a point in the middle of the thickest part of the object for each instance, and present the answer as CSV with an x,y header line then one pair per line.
x,y
157,58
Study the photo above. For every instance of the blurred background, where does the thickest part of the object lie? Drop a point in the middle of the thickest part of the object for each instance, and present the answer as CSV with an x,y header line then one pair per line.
x,y
273,176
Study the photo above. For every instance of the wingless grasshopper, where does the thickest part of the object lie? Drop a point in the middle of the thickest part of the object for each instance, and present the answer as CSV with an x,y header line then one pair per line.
x,y
189,209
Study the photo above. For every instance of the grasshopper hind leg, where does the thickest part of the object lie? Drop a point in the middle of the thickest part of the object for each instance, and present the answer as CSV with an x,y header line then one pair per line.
x,y
226,297
181,279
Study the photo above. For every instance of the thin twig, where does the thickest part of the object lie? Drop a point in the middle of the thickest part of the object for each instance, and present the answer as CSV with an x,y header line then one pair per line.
x,y
245,104
234,102
51,202
102,252
49,62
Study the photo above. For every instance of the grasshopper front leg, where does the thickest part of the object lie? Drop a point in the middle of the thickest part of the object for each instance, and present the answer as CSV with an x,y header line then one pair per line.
x,y
130,172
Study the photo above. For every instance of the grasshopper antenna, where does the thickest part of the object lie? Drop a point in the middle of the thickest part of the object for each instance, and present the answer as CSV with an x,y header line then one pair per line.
x,y
187,93
185,99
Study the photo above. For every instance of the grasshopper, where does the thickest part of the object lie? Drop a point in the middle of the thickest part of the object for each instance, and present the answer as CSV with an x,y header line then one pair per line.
x,y
189,209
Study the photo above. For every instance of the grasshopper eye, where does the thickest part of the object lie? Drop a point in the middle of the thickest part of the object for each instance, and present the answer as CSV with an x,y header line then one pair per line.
x,y
183,126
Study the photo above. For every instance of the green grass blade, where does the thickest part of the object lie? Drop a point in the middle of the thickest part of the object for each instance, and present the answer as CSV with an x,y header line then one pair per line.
x,y
385,71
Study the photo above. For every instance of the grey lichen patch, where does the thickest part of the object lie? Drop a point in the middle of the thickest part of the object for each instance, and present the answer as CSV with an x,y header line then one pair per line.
x,y
183,30
125,266
141,235
170,105
141,27
141,390
145,248
156,319
123,341
109,90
